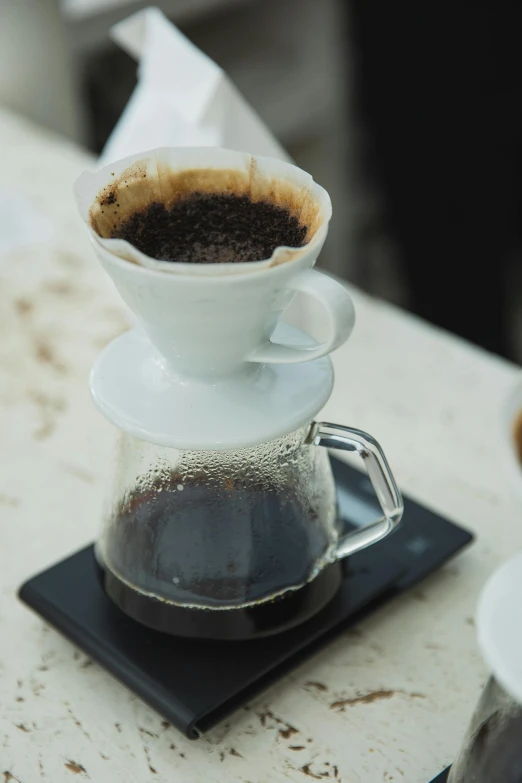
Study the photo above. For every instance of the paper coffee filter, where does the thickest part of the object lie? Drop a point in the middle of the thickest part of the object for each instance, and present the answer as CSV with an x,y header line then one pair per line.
x,y
115,192
182,98
121,188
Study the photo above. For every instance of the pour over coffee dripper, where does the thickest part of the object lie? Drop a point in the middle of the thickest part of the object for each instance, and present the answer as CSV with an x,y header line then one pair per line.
x,y
222,521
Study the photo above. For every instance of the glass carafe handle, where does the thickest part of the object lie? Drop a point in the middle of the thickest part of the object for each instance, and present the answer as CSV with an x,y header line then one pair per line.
x,y
334,436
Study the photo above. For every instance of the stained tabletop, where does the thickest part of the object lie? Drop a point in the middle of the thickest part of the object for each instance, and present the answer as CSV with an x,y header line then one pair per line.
x,y
388,700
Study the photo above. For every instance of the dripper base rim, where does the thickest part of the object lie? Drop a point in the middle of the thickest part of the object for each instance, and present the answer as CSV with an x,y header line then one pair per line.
x,y
134,393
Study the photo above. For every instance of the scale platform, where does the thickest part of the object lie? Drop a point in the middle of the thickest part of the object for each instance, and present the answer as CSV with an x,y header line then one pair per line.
x,y
443,777
194,684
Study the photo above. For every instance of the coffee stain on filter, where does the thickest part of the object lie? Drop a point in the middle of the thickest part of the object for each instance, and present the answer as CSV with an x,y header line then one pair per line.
x,y
154,180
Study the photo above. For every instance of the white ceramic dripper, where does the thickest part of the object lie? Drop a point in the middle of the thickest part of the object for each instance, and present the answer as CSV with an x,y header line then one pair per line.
x,y
215,328
207,320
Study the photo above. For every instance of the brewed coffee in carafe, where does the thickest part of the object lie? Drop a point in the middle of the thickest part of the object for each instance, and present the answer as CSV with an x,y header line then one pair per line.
x,y
218,530
222,520
214,536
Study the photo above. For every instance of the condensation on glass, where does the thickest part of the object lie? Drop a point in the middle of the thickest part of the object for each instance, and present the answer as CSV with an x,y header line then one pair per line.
x,y
233,528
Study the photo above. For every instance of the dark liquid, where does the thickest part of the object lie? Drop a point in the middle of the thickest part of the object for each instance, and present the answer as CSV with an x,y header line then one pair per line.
x,y
206,228
250,622
209,547
496,751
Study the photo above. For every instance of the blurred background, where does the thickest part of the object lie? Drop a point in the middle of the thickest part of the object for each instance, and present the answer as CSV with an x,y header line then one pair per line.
x,y
410,114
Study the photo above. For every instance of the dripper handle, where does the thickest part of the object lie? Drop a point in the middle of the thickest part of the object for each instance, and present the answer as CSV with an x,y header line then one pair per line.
x,y
333,436
338,308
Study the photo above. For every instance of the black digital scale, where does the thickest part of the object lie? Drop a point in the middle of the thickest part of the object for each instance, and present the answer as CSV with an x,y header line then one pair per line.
x,y
194,684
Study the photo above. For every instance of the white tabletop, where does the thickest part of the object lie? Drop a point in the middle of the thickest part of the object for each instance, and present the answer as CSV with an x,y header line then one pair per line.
x,y
387,701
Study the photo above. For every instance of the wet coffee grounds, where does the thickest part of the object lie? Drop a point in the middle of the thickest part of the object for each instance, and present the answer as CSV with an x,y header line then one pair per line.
x,y
211,228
